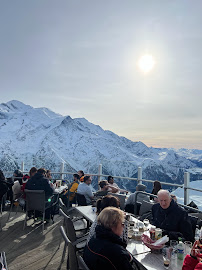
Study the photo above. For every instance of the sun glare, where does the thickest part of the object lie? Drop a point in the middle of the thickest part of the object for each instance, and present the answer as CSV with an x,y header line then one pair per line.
x,y
146,63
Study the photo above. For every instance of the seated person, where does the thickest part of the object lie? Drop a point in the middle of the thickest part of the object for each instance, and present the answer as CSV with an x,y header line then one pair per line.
x,y
72,190
81,175
171,218
193,261
3,187
26,177
101,204
130,203
113,187
40,182
155,190
18,175
104,188
107,250
85,189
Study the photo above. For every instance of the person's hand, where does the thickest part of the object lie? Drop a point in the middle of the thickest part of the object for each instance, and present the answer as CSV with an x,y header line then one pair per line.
x,y
196,250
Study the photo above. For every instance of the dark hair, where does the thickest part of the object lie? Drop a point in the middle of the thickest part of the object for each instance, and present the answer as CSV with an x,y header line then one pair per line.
x,y
2,177
76,176
102,183
109,178
157,187
106,201
81,172
86,178
18,173
32,170
41,170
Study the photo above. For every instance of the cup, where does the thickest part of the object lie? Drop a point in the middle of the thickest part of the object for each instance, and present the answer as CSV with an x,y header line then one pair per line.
x,y
187,247
146,222
166,257
173,245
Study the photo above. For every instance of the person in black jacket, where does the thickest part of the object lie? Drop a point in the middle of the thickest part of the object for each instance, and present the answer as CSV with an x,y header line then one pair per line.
x,y
107,250
3,187
40,182
171,218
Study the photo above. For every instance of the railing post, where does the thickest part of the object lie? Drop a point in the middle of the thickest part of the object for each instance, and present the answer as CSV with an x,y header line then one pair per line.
x,y
99,172
62,170
22,166
186,185
139,175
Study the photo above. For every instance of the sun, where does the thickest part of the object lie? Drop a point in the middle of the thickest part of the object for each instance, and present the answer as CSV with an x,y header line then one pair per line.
x,y
146,63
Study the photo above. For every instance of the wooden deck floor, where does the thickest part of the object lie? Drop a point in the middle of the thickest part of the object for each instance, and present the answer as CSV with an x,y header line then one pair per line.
x,y
29,249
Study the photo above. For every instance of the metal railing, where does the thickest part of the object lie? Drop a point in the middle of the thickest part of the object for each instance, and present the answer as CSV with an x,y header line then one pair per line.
x,y
185,186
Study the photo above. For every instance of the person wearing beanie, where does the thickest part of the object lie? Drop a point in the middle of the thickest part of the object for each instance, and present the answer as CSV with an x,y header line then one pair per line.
x,y
130,203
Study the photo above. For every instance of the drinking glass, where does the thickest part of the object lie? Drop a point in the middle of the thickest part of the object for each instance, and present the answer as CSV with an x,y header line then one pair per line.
x,y
166,257
187,247
146,222
173,245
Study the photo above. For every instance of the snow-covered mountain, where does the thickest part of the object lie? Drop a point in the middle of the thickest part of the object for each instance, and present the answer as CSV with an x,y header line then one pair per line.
x,y
43,138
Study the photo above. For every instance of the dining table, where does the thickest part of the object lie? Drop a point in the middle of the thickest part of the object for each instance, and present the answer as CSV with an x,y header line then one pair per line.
x,y
151,260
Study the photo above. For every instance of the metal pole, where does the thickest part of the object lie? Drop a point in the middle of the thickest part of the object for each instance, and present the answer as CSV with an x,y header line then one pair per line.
x,y
22,166
62,170
99,172
186,185
139,175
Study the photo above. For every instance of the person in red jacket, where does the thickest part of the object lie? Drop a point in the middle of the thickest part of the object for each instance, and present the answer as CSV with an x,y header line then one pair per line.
x,y
193,261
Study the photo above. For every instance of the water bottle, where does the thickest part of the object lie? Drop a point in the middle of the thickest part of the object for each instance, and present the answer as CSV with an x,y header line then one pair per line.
x,y
180,249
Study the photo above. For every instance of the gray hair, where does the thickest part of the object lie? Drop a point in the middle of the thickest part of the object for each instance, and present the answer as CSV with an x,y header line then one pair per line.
x,y
164,191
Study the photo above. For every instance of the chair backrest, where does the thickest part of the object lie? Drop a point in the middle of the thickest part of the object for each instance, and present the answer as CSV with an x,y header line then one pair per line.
x,y
145,207
72,258
35,200
81,200
69,227
121,197
63,206
82,263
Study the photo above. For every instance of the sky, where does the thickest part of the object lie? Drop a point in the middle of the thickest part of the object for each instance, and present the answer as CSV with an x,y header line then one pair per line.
x,y
80,58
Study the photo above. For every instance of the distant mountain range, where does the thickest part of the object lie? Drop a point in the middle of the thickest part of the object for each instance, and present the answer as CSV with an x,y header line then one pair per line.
x,y
42,138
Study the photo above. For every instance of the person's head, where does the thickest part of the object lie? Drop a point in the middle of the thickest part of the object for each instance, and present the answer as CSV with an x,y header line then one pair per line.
x,y
48,174
140,187
157,186
76,177
32,171
18,173
106,201
110,179
87,180
80,173
42,171
112,218
2,177
103,185
164,198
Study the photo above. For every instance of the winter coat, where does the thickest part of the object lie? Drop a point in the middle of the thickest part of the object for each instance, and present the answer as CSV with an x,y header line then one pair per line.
x,y
174,221
39,182
107,251
191,264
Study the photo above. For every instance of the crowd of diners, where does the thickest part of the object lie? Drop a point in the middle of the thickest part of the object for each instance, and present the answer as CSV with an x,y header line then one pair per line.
x,y
108,235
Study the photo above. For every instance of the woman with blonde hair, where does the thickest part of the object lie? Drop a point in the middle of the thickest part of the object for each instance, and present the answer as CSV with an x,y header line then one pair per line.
x,y
107,250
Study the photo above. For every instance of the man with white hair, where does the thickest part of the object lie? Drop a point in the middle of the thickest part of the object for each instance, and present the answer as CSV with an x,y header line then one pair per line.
x,y
171,218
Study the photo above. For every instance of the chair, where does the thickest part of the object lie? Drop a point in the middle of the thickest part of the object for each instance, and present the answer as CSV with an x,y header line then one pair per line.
x,y
78,242
82,263
3,261
72,260
20,202
81,200
145,208
35,201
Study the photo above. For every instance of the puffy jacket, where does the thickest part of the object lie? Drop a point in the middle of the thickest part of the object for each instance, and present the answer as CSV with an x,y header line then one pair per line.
x,y
174,221
191,264
39,182
107,251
